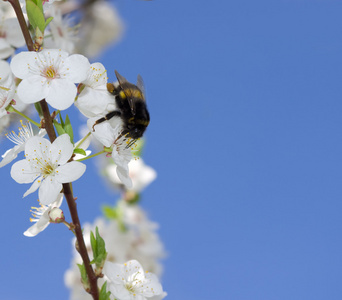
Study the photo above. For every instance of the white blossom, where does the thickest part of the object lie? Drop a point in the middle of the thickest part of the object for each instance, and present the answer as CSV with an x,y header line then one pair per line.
x,y
11,36
94,99
20,139
122,146
47,166
63,33
134,241
41,216
128,281
49,74
101,27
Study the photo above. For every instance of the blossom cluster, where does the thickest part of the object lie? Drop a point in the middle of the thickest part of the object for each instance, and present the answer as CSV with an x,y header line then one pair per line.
x,y
130,236
59,74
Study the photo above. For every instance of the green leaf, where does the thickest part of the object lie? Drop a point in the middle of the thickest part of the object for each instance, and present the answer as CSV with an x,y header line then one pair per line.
x,y
93,244
35,15
61,119
104,295
110,212
58,127
39,3
80,151
48,21
100,243
68,128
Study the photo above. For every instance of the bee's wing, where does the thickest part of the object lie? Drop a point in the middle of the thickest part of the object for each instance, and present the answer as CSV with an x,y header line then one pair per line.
x,y
125,88
141,86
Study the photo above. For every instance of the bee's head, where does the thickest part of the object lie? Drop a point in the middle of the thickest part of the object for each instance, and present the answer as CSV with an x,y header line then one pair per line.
x,y
136,131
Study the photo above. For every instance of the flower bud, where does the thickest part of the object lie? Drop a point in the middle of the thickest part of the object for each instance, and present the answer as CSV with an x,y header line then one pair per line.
x,y
56,215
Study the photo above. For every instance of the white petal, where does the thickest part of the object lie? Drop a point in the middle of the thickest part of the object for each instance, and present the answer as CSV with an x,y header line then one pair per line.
x,y
104,133
93,102
9,156
5,70
85,144
78,67
33,89
61,149
39,226
22,172
154,287
58,201
34,186
5,49
21,62
123,175
70,172
61,94
14,35
37,147
97,76
114,272
120,292
49,190
132,267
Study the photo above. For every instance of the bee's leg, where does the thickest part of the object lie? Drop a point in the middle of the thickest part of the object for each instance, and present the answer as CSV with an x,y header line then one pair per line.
x,y
108,116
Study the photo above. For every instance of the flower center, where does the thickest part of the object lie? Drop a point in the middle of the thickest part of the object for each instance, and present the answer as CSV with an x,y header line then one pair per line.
x,y
48,169
130,287
50,72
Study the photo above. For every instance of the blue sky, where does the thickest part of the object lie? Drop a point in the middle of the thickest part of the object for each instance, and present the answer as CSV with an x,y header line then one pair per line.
x,y
245,133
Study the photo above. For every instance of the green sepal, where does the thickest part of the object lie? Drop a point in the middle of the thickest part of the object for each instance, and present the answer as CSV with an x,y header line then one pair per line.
x,y
68,128
39,109
35,14
80,151
104,295
84,276
134,200
59,128
48,20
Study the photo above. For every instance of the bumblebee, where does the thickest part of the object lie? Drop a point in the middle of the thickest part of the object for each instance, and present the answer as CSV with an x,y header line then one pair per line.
x,y
131,104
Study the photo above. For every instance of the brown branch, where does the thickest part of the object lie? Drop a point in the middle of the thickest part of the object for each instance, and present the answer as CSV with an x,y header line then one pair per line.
x,y
66,186
81,245
17,8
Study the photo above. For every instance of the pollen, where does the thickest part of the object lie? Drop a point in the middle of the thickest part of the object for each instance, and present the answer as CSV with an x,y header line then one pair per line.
x,y
50,72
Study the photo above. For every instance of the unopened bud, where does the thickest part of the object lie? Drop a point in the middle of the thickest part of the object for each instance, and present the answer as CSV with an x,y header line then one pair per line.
x,y
39,39
56,215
